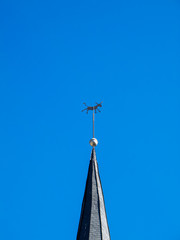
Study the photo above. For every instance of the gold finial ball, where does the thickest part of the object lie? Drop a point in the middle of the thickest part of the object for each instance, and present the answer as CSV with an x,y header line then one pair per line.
x,y
93,142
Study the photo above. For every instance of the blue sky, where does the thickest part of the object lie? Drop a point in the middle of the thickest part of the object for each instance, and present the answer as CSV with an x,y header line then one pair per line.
x,y
55,55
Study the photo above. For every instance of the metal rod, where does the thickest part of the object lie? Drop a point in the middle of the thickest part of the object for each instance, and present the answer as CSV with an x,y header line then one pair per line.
x,y
93,122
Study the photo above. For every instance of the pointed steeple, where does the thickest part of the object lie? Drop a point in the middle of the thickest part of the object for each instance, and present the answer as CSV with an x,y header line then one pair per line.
x,y
93,223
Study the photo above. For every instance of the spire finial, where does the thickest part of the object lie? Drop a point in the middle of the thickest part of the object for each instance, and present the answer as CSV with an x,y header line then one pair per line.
x,y
93,142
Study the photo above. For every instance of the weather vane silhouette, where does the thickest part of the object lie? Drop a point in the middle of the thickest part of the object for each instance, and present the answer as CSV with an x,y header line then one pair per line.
x,y
93,142
93,108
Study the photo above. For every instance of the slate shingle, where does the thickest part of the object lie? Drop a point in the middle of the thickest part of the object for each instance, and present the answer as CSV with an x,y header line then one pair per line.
x,y
93,223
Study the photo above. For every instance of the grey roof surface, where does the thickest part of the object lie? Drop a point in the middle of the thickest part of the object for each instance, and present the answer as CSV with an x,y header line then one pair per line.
x,y
93,221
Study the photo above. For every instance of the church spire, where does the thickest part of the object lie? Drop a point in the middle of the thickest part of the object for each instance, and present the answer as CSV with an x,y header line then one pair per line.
x,y
93,223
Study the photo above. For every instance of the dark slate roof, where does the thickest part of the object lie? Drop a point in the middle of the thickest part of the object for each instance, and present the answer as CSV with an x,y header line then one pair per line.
x,y
93,221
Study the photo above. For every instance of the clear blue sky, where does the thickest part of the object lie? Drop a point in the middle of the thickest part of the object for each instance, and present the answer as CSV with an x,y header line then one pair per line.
x,y
55,55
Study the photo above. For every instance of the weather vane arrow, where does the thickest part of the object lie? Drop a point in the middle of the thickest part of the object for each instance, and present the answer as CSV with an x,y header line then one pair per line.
x,y
93,142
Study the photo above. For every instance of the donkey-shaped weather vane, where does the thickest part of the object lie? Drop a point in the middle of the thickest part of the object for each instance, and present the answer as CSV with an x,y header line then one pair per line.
x,y
93,108
93,141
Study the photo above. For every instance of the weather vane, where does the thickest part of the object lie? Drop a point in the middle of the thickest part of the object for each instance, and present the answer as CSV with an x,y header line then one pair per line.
x,y
93,142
